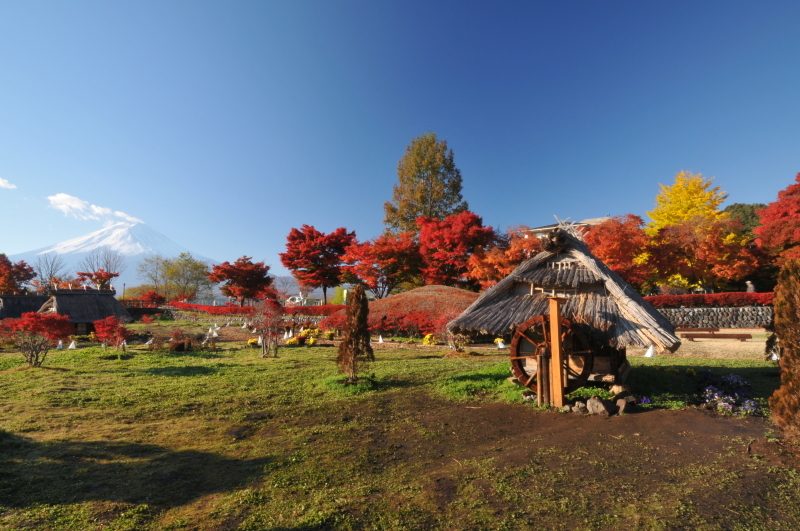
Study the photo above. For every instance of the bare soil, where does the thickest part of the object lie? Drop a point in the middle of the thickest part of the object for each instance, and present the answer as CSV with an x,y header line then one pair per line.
x,y
720,348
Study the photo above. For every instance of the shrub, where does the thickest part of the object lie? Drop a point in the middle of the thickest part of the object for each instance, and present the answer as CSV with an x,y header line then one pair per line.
x,y
430,339
110,330
355,351
180,342
147,319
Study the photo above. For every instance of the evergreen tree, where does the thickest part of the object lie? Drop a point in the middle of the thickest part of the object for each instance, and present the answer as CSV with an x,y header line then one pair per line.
x,y
429,185
785,402
746,214
355,351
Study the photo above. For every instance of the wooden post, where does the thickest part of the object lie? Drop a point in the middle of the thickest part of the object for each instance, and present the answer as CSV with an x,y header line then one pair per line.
x,y
556,358
543,380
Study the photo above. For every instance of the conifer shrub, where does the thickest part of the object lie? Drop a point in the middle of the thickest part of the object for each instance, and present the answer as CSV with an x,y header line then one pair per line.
x,y
355,352
785,402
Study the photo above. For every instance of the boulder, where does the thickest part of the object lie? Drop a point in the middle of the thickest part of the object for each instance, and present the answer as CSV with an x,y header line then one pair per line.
x,y
595,406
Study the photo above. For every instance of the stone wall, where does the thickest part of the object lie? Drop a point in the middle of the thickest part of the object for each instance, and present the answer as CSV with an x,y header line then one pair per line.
x,y
719,317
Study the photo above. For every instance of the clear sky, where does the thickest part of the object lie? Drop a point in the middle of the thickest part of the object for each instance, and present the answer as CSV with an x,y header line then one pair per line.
x,y
225,124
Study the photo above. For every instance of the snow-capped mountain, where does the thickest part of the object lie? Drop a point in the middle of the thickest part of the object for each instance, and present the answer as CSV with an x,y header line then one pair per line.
x,y
135,241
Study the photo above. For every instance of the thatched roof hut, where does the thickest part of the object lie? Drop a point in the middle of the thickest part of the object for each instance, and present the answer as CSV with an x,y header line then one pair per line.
x,y
13,306
85,306
605,307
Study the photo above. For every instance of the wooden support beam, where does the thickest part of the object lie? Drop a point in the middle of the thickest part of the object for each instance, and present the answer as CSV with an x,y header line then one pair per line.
x,y
557,382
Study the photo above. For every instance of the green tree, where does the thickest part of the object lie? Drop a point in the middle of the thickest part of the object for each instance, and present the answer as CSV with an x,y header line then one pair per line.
x,y
429,185
746,213
691,196
188,276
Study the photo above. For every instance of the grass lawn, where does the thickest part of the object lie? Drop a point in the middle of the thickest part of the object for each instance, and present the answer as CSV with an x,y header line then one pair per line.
x,y
226,440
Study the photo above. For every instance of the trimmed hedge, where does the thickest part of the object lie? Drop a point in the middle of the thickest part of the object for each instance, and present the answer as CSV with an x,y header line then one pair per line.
x,y
693,300
245,310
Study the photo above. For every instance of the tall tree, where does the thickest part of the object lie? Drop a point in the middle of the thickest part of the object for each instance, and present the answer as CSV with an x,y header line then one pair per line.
x,y
446,246
780,224
746,214
13,277
383,263
621,243
429,185
243,279
315,258
785,402
49,267
491,265
153,270
690,196
187,277
708,252
104,258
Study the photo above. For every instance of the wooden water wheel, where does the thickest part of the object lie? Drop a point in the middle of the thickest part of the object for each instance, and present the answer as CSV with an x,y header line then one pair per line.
x,y
532,339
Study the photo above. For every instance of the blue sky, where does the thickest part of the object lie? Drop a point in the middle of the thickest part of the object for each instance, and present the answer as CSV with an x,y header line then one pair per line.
x,y
225,124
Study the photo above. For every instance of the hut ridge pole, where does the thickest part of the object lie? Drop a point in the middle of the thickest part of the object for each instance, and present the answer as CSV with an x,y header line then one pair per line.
x,y
556,356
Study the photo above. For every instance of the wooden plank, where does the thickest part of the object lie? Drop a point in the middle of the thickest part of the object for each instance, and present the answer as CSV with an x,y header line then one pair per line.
x,y
712,335
556,356
697,329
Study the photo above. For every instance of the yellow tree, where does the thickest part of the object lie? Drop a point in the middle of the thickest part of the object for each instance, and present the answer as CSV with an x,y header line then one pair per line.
x,y
691,196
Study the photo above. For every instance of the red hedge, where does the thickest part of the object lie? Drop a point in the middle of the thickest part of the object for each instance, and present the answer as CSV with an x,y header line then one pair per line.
x,y
733,298
244,310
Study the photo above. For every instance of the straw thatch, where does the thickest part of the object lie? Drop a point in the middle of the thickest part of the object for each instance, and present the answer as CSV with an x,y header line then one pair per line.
x,y
606,307
13,306
85,306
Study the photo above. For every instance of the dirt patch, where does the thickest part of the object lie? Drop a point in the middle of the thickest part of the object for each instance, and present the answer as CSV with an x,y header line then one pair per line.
x,y
719,348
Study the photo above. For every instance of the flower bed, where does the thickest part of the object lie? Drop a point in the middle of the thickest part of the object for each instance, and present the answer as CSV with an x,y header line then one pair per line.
x,y
735,298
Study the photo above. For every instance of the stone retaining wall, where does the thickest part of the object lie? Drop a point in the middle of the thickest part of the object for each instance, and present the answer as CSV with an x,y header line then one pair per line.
x,y
719,317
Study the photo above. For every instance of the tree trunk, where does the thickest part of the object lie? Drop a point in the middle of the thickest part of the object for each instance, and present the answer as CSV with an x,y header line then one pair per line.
x,y
324,294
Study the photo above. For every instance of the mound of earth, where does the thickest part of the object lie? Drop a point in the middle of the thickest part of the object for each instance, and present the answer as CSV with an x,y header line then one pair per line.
x,y
424,308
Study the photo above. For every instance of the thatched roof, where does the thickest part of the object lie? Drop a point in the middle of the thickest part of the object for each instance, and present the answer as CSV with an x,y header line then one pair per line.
x,y
85,306
608,309
13,306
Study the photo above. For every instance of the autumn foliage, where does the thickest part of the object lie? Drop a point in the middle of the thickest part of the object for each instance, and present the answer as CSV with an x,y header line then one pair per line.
x,y
487,266
36,333
780,224
446,246
111,331
153,298
621,244
785,402
100,278
315,258
695,300
243,279
13,277
383,263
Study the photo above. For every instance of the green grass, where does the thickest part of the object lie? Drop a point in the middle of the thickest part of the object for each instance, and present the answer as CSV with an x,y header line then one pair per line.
x,y
227,440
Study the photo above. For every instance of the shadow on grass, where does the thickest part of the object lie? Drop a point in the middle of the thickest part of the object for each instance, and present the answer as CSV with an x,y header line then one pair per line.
x,y
667,385
189,370
73,472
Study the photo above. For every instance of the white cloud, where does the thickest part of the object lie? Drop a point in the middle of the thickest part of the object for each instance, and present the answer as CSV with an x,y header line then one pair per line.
x,y
78,208
5,184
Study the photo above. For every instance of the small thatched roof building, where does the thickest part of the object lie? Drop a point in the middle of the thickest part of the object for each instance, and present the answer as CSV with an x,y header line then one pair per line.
x,y
13,306
84,307
608,310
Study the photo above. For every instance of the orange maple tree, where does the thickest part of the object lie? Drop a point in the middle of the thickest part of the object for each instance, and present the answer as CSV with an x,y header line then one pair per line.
x,y
383,263
13,277
621,243
780,224
490,265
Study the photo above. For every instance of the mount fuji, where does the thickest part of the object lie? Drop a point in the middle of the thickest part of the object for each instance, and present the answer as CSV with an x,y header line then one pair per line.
x,y
134,241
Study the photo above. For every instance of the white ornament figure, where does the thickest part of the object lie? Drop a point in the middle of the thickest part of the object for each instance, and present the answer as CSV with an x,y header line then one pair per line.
x,y
149,341
651,352
215,334
259,340
500,345
244,325
72,345
60,345
380,339
301,329
124,343
285,334
291,333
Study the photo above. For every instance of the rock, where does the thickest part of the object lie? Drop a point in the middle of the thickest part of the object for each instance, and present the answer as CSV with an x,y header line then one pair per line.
x,y
514,380
566,409
595,406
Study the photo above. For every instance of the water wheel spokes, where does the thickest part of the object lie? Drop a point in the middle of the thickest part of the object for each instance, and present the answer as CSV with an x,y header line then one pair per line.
x,y
532,339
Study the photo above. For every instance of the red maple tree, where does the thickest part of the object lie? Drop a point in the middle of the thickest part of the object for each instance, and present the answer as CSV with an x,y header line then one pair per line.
x,y
13,277
243,279
491,265
383,263
100,278
315,258
446,246
35,333
707,252
153,298
110,330
622,244
780,224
